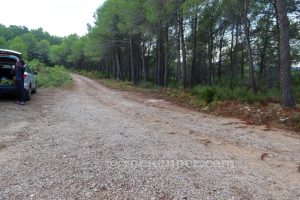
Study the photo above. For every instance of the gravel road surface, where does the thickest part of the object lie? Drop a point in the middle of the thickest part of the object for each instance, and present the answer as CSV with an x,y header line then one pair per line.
x,y
91,142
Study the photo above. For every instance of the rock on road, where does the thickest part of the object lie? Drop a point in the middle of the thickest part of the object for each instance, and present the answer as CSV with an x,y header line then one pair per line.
x,y
91,142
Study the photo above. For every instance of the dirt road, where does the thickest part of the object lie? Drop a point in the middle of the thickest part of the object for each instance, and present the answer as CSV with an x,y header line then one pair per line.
x,y
91,142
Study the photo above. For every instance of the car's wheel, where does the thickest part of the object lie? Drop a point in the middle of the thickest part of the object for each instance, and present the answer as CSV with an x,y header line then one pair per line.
x,y
28,94
35,89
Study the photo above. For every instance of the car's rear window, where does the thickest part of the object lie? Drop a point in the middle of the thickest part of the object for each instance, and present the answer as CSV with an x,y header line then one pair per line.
x,y
7,60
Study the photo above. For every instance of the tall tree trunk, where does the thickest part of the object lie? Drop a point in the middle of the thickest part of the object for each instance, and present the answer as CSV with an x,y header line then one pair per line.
x,y
263,56
161,56
265,42
243,59
137,65
119,68
133,71
129,71
158,60
235,51
210,54
277,84
114,69
231,55
248,46
204,68
194,49
145,72
220,54
184,75
178,65
166,49
287,98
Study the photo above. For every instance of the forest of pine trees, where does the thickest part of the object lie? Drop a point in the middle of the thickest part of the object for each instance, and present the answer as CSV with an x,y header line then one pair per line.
x,y
180,43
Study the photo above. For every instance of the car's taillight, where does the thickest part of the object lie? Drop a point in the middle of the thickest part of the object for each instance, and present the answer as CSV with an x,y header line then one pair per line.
x,y
25,75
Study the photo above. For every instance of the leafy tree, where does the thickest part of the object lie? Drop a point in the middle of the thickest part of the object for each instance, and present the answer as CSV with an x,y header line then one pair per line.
x,y
19,45
55,54
2,42
31,43
42,51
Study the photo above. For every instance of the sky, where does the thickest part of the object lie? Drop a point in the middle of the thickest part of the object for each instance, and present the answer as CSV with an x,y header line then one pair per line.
x,y
57,17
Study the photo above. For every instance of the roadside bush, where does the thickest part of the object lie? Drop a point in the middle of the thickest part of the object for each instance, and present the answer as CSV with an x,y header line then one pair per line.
x,y
49,76
36,66
208,94
53,77
240,94
173,84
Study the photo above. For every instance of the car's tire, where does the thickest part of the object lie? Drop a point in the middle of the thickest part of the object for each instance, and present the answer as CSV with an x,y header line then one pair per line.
x,y
28,94
35,89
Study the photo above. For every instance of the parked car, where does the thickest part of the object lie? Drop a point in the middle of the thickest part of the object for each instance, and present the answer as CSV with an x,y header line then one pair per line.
x,y
8,59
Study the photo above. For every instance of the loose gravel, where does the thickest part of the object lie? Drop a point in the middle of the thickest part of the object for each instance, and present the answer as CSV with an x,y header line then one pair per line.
x,y
91,142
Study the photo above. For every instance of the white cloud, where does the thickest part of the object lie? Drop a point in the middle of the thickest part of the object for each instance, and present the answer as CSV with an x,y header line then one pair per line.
x,y
58,17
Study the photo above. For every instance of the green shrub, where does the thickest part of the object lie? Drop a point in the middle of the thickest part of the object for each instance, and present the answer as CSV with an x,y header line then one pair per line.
x,y
173,84
241,94
208,94
53,77
49,76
